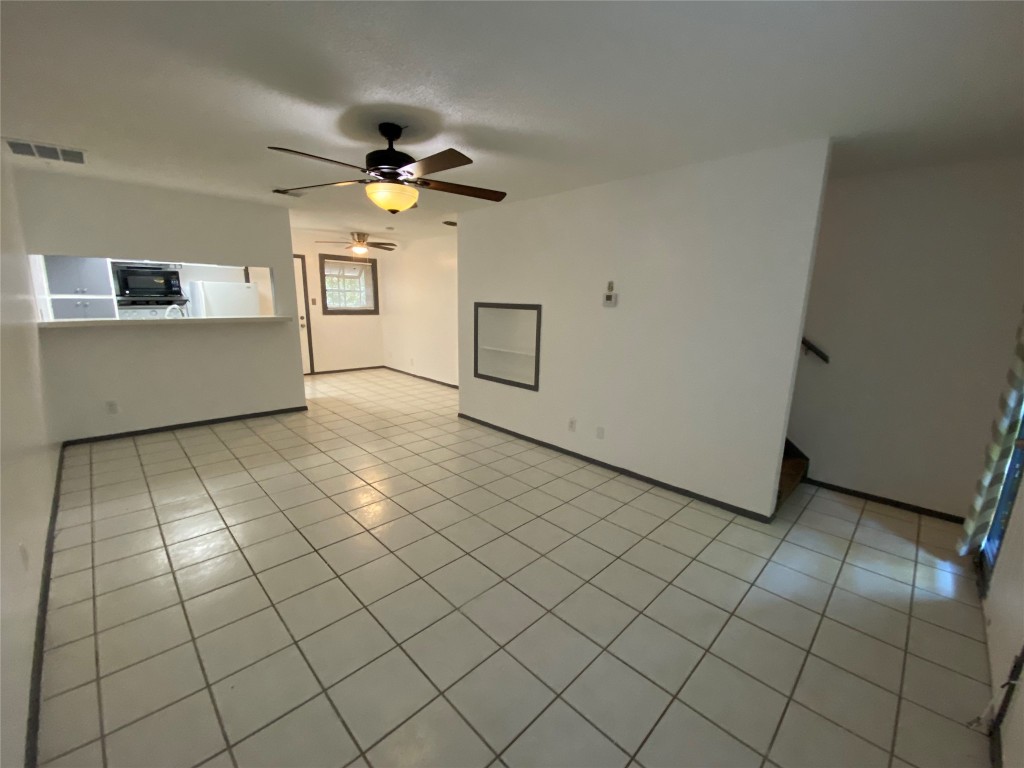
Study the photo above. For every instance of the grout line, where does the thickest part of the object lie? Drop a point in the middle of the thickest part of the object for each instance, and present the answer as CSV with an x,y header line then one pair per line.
x,y
707,651
400,645
195,645
95,635
302,653
564,501
317,412
95,629
364,606
903,669
803,666
326,581
500,647
605,647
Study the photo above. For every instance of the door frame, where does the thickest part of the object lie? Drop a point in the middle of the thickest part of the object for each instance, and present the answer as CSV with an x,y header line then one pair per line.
x,y
309,318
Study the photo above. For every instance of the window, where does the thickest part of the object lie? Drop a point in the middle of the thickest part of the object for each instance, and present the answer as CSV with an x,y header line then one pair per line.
x,y
1009,489
348,285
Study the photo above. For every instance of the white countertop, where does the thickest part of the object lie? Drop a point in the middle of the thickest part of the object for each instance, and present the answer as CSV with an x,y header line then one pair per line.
x,y
175,321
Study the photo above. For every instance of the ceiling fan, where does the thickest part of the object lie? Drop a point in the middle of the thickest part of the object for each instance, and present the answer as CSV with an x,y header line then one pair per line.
x,y
395,177
360,244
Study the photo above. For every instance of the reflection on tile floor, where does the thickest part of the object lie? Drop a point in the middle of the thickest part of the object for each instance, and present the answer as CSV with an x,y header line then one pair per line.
x,y
378,582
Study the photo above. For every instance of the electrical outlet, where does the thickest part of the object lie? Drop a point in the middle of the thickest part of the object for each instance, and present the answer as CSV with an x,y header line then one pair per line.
x,y
572,424
112,407
600,433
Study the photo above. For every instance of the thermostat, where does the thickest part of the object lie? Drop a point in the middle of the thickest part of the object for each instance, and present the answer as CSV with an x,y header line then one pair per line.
x,y
611,298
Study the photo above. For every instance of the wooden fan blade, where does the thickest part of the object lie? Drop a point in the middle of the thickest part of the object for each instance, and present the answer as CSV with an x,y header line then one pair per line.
x,y
462,189
381,246
316,157
442,161
315,186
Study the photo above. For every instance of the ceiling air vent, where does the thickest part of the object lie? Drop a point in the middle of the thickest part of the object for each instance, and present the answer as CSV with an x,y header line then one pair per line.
x,y
46,151
21,148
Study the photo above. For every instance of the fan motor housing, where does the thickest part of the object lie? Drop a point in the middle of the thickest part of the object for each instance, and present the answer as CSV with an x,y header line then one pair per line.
x,y
387,161
395,176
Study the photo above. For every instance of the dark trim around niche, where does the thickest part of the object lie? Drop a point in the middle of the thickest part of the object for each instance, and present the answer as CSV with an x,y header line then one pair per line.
x,y
324,258
477,305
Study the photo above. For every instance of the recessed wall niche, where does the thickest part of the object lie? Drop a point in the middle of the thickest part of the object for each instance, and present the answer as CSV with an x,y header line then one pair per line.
x,y
506,344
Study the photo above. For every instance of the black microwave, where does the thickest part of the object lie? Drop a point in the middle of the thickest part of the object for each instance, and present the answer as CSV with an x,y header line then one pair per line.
x,y
147,284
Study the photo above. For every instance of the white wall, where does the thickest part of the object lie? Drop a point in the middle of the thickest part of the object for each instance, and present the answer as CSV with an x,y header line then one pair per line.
x,y
691,375
1004,617
161,375
190,273
417,328
421,319
29,465
916,295
339,341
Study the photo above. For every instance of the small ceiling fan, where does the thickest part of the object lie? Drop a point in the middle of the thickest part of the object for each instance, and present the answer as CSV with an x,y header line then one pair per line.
x,y
395,177
360,244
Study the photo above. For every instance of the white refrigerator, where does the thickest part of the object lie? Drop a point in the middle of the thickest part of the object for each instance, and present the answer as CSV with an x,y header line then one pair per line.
x,y
213,299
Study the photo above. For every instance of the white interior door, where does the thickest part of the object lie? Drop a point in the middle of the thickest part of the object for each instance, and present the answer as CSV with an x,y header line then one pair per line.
x,y
300,300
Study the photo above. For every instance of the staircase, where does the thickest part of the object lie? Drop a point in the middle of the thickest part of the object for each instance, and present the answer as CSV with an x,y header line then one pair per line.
x,y
794,470
795,461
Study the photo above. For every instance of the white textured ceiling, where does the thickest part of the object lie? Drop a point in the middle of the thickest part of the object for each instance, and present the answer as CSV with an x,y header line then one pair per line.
x,y
543,96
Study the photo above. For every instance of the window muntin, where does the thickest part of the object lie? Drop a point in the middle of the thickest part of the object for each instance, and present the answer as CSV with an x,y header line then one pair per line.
x,y
348,285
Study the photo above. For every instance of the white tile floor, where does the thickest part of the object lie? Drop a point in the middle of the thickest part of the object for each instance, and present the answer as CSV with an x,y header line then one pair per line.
x,y
379,582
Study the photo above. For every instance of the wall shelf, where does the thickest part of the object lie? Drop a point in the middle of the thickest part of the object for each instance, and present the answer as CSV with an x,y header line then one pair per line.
x,y
508,351
175,321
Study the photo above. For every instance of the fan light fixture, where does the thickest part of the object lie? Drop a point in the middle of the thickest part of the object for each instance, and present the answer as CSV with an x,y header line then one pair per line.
x,y
395,177
360,249
392,196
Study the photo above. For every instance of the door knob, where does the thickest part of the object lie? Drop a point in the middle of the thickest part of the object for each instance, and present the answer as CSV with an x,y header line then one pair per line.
x,y
302,325
302,317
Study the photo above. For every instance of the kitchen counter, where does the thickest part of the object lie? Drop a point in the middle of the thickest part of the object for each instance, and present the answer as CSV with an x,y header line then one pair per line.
x,y
175,321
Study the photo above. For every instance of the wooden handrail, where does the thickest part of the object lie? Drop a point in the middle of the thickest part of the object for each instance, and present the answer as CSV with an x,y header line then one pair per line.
x,y
810,346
